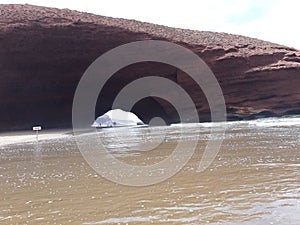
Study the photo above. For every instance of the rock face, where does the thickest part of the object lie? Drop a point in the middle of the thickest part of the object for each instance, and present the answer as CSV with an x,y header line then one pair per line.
x,y
45,51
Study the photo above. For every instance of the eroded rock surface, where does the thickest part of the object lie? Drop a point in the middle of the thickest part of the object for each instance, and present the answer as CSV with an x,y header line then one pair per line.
x,y
45,51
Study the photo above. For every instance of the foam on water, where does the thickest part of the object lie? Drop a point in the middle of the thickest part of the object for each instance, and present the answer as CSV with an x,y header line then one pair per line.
x,y
253,180
276,122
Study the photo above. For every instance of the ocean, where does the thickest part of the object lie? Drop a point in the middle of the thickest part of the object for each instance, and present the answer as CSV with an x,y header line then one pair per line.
x,y
252,178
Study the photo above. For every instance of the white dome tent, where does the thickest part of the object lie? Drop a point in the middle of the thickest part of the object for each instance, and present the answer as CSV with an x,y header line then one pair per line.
x,y
118,118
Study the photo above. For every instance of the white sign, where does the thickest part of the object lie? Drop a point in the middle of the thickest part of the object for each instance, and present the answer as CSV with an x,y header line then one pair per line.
x,y
37,128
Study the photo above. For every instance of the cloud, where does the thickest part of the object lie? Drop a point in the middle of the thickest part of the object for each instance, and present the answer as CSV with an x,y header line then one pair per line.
x,y
278,24
271,20
248,14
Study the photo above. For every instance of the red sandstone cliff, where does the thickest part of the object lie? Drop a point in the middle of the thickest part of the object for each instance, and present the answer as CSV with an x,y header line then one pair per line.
x,y
44,52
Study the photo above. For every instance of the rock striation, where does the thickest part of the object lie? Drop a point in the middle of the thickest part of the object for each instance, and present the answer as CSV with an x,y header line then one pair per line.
x,y
45,51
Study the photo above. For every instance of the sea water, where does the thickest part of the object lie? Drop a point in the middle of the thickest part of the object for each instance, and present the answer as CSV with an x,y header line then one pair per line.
x,y
254,178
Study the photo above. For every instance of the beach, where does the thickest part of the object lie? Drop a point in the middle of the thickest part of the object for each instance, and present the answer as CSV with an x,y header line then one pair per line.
x,y
253,180
17,137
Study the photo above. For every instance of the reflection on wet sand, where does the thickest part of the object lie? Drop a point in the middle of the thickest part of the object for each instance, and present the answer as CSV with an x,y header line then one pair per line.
x,y
255,179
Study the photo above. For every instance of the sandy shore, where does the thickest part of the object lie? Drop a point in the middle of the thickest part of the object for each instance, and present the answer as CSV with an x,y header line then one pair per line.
x,y
253,180
17,137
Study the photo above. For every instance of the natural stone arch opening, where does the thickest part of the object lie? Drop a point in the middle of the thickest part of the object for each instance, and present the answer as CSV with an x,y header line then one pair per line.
x,y
45,51
150,107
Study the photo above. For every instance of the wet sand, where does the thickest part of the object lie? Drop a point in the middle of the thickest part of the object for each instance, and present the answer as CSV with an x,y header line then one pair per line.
x,y
255,179
8,138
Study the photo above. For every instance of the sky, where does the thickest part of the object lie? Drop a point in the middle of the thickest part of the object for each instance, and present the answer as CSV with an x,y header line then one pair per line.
x,y
271,20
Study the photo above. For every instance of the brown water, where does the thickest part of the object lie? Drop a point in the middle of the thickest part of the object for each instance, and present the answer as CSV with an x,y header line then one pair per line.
x,y
255,179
